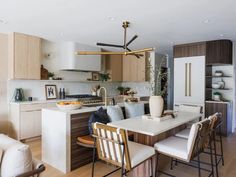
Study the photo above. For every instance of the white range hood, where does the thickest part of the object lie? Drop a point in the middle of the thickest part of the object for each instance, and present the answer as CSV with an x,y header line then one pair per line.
x,y
69,61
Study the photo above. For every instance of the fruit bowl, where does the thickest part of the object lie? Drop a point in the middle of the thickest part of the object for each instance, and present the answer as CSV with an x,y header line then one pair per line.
x,y
69,105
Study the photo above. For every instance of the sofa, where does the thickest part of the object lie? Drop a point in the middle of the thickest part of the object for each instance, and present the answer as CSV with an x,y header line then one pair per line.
x,y
16,159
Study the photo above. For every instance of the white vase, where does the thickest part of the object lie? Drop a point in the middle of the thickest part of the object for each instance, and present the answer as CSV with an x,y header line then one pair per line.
x,y
156,105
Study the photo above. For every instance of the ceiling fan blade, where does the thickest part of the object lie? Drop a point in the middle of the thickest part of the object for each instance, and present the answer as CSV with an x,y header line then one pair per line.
x,y
139,51
109,45
137,55
131,40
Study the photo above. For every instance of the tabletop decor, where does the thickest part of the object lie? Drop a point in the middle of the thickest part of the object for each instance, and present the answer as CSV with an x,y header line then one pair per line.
x,y
156,102
51,92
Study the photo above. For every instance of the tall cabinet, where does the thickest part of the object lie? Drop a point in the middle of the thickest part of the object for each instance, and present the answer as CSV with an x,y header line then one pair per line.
x,y
189,80
25,56
211,55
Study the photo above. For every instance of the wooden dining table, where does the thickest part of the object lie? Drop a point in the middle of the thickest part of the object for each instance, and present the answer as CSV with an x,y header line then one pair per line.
x,y
148,132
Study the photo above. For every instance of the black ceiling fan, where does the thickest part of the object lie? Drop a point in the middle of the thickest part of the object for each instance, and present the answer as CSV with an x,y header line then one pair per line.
x,y
125,46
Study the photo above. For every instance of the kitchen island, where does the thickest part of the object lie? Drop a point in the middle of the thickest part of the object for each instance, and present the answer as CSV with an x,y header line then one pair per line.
x,y
60,130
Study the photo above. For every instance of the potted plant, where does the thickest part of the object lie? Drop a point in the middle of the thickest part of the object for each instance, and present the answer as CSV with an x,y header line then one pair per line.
x,y
121,90
50,75
104,77
158,87
217,96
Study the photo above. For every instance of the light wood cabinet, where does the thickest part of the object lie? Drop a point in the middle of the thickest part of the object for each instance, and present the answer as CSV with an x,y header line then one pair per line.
x,y
26,120
134,69
24,56
114,64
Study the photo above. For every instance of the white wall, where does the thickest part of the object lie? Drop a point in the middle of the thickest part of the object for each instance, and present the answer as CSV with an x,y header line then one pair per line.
x,y
36,89
3,84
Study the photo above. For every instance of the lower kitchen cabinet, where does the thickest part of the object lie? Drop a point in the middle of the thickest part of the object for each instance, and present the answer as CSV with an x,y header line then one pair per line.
x,y
25,120
225,109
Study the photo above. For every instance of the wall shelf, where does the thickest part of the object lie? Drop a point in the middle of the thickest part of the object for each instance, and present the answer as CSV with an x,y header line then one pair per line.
x,y
219,76
218,89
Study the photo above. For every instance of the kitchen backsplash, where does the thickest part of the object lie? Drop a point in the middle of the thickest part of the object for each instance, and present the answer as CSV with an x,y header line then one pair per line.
x,y
36,89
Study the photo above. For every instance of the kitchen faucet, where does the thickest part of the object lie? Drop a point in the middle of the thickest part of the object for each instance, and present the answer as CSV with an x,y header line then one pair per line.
x,y
105,94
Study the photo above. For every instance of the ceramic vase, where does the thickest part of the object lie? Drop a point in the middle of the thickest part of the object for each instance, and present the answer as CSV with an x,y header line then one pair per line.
x,y
156,105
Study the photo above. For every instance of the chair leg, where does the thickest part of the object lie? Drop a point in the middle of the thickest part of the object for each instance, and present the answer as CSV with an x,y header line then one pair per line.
x,y
211,154
221,147
215,154
156,169
199,166
94,154
122,162
171,163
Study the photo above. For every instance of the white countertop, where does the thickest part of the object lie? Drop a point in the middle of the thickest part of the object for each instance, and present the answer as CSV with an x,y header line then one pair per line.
x,y
42,101
83,109
153,128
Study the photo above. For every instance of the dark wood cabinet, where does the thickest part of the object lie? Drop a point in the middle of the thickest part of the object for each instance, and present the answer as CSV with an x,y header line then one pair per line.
x,y
189,50
224,108
219,52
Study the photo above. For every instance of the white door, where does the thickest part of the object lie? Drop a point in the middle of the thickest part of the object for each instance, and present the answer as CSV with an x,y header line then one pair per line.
x,y
189,80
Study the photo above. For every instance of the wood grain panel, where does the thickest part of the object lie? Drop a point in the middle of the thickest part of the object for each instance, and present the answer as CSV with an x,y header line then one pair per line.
x,y
20,56
114,66
219,52
188,50
79,127
34,57
211,108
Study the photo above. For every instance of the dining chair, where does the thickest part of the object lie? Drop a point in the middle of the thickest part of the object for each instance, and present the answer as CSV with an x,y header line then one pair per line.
x,y
186,150
188,108
113,147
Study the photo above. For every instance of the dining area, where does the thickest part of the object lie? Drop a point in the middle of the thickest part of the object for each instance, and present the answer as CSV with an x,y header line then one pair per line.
x,y
142,147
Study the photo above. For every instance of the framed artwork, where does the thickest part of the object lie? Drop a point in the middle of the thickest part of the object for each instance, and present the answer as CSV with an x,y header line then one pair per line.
x,y
51,92
95,76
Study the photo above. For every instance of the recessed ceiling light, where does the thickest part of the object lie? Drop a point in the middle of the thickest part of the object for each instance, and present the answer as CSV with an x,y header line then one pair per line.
x,y
2,20
206,21
111,18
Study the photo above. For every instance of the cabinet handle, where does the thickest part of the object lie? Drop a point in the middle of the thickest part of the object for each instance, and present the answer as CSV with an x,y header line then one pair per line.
x,y
186,75
190,75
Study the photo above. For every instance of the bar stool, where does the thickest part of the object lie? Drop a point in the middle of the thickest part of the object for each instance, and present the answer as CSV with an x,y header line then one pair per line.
x,y
188,108
89,142
215,125
185,150
113,147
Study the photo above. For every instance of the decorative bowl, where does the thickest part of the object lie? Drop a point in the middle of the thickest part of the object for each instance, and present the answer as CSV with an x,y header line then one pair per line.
x,y
66,105
215,86
218,73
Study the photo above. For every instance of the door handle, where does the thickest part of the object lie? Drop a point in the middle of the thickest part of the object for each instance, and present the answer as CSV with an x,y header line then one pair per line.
x,y
186,80
190,77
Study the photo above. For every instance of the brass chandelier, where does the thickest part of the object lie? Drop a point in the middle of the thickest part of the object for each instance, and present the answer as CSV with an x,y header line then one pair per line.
x,y
125,46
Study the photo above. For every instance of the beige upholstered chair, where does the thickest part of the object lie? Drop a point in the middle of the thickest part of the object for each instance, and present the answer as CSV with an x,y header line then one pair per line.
x,y
16,159
186,150
113,147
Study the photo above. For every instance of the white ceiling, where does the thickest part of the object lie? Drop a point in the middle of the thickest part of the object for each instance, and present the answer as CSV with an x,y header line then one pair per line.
x,y
159,23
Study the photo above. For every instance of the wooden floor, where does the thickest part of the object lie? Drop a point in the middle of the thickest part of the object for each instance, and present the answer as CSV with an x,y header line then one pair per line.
x,y
229,170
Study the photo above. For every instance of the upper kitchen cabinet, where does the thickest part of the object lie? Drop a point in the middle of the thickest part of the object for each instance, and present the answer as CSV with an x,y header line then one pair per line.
x,y
219,52
134,69
114,66
25,55
190,50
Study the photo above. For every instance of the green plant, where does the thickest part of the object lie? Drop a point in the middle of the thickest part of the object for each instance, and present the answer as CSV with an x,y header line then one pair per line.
x,y
158,78
105,77
50,74
217,93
